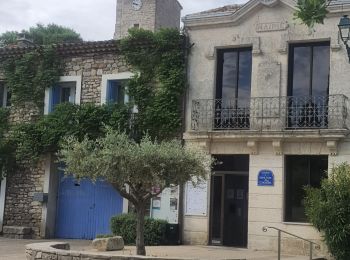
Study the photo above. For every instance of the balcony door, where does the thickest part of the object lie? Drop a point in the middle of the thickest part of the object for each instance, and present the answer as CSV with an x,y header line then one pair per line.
x,y
233,89
308,86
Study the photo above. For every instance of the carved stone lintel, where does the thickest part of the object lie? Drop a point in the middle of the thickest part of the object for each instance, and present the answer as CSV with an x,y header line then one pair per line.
x,y
210,53
335,42
237,40
332,147
253,147
253,41
290,36
283,49
277,146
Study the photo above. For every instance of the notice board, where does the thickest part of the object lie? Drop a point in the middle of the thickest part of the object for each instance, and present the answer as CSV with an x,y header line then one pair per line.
x,y
196,199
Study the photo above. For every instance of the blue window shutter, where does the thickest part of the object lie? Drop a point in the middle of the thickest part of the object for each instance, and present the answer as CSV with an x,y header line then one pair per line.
x,y
112,91
54,97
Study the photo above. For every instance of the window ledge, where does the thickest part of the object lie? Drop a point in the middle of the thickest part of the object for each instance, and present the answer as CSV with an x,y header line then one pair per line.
x,y
297,224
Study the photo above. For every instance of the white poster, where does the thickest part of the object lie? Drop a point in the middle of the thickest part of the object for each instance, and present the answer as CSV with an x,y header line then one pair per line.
x,y
196,199
166,206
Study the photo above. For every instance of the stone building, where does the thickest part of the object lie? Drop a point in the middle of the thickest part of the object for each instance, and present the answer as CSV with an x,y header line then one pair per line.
x,y
269,99
90,67
146,14
38,201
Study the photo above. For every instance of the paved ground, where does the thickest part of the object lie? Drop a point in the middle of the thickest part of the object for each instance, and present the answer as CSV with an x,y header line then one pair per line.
x,y
11,249
208,253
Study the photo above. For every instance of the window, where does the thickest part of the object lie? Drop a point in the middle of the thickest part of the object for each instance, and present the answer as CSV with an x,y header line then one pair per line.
x,y
116,92
114,87
62,93
67,90
308,86
309,69
136,26
233,88
4,96
301,171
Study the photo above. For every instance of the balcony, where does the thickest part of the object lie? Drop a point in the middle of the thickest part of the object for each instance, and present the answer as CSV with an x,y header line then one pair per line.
x,y
271,114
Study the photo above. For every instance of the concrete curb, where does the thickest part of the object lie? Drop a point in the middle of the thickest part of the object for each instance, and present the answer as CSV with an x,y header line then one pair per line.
x,y
61,251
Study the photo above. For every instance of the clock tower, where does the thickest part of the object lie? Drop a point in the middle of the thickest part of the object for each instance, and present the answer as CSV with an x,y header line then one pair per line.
x,y
147,14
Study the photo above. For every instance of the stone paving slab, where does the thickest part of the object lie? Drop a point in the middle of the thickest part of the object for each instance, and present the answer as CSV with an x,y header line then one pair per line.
x,y
14,249
206,253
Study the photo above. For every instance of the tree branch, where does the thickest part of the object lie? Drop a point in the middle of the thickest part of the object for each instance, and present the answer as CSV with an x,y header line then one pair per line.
x,y
125,194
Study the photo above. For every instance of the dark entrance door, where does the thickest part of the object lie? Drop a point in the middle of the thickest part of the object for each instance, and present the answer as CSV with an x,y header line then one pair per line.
x,y
235,210
229,203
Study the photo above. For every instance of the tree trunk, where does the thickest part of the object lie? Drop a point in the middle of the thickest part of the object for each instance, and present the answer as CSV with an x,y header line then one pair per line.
x,y
140,228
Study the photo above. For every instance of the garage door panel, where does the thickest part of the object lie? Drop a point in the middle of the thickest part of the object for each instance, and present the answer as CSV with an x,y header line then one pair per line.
x,y
84,208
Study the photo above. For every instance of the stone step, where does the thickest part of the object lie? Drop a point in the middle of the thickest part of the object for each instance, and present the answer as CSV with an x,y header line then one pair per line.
x,y
17,232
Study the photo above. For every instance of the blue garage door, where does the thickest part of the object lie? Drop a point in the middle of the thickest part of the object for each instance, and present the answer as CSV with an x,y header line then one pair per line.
x,y
84,208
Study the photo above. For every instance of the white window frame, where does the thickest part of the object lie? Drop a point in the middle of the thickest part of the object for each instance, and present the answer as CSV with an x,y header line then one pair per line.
x,y
76,79
108,77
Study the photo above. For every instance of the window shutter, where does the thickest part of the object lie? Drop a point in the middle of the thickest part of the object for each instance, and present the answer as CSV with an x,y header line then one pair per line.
x,y
54,97
112,91
2,95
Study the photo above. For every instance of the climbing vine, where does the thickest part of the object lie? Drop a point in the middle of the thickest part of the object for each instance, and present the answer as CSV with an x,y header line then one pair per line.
x,y
156,89
26,142
28,76
159,83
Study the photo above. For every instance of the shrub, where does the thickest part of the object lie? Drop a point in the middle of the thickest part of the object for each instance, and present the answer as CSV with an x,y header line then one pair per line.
x,y
328,209
125,226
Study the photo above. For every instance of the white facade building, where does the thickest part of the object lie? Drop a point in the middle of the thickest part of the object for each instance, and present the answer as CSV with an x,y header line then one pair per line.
x,y
268,98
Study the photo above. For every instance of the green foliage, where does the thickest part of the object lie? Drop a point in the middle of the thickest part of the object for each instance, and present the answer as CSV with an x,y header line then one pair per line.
x,y
142,166
52,34
29,75
42,35
125,226
311,12
8,38
159,82
328,209
4,113
28,141
6,161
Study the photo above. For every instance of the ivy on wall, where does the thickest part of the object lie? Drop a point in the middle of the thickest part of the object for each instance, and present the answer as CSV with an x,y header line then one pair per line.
x,y
6,151
159,83
28,76
157,89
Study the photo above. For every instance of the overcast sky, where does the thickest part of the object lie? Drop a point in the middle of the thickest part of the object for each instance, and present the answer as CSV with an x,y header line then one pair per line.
x,y
93,19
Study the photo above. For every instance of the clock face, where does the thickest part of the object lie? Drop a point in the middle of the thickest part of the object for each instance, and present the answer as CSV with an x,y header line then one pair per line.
x,y
136,4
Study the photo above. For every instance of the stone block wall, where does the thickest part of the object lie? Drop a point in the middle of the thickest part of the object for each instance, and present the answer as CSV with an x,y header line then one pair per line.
x,y
20,209
127,17
91,68
166,18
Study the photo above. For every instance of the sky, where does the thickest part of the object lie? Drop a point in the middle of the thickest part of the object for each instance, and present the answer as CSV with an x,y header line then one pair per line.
x,y
93,19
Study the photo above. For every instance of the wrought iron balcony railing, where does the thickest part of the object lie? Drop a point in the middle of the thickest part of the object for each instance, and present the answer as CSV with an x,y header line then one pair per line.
x,y
270,113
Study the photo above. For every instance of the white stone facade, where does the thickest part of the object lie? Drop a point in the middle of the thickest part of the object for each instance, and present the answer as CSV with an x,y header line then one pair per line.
x,y
268,27
151,15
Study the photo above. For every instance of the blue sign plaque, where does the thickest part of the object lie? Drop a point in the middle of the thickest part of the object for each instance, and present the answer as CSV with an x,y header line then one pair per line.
x,y
266,178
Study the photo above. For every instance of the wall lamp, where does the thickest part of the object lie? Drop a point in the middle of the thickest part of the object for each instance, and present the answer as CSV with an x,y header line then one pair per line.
x,y
344,30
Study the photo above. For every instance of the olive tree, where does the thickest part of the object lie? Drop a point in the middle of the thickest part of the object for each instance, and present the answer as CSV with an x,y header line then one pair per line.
x,y
134,169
